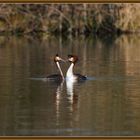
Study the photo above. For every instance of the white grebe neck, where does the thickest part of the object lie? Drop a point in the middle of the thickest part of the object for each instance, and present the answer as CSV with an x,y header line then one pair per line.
x,y
57,63
70,74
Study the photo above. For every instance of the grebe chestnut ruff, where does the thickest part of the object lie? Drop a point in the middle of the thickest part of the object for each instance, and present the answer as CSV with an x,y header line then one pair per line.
x,y
70,75
57,77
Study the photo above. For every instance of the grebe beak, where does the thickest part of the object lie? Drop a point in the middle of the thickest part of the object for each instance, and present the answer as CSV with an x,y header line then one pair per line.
x,y
67,60
62,60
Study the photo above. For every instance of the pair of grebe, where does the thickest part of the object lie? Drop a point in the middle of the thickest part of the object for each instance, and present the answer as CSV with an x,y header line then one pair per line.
x,y
69,74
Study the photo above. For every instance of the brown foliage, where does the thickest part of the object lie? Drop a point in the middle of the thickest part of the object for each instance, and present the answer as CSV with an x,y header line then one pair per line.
x,y
69,18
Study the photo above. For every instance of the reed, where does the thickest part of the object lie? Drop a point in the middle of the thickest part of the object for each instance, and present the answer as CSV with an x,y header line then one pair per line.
x,y
72,19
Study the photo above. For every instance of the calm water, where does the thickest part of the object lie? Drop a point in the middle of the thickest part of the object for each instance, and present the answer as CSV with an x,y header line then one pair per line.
x,y
107,104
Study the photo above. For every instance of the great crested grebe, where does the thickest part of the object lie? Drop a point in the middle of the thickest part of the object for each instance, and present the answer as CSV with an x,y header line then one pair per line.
x,y
70,75
57,77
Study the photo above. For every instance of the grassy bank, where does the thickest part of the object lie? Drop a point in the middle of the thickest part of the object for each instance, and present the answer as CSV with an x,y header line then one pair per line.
x,y
72,19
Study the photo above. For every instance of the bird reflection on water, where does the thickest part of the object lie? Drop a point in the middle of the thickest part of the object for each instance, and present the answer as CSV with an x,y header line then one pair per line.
x,y
70,100
71,97
61,101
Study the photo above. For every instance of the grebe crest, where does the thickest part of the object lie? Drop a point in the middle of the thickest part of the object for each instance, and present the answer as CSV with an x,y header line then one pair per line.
x,y
57,58
72,58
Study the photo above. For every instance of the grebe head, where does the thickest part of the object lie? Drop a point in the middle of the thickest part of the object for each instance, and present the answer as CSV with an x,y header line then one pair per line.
x,y
57,58
72,58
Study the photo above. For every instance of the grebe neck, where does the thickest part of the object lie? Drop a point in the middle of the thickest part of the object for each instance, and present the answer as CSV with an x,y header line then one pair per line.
x,y
69,74
57,63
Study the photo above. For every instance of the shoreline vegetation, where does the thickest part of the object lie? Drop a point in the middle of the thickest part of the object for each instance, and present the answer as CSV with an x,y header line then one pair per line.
x,y
69,19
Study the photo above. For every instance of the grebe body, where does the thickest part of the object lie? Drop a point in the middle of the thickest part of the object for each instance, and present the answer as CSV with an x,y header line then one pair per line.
x,y
70,75
56,77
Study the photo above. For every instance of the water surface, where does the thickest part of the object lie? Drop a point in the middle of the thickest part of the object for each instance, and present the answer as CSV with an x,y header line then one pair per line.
x,y
107,104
